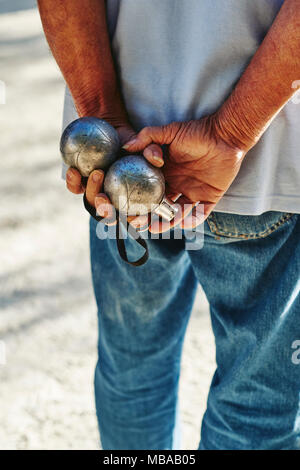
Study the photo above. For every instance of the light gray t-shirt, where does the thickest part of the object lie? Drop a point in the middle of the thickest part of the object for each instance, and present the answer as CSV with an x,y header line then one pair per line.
x,y
179,60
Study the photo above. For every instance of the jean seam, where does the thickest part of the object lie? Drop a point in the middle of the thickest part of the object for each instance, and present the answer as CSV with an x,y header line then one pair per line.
x,y
252,235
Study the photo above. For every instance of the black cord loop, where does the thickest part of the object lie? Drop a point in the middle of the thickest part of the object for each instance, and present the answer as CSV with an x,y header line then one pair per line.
x,y
120,241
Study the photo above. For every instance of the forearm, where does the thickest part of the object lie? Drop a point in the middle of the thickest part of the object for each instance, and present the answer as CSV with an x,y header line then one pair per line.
x,y
77,34
266,84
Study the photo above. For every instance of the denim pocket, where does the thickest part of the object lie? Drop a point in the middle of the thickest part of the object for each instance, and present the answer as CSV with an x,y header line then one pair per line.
x,y
246,226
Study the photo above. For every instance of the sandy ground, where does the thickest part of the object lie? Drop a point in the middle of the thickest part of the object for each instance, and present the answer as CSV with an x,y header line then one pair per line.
x,y
48,314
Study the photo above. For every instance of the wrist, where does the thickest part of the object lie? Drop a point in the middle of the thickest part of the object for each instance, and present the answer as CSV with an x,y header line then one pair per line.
x,y
234,127
107,106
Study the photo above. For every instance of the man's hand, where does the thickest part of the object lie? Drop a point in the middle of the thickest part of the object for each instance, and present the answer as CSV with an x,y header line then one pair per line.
x,y
93,188
78,37
199,164
204,156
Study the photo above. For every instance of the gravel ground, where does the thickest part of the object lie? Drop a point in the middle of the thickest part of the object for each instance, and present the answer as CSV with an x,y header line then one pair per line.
x,y
48,314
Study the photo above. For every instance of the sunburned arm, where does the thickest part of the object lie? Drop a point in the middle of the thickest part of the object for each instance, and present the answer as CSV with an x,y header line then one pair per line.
x,y
267,83
78,38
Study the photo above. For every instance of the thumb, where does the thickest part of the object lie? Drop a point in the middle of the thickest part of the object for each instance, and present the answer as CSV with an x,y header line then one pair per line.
x,y
126,133
153,134
152,153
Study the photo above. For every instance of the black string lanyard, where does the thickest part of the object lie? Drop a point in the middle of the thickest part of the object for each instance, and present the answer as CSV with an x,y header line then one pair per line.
x,y
120,241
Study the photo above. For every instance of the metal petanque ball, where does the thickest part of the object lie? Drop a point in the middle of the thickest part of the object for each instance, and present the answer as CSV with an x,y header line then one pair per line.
x,y
135,187
88,144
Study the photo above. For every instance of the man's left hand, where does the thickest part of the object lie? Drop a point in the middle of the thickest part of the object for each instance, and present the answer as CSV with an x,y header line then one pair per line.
x,y
199,164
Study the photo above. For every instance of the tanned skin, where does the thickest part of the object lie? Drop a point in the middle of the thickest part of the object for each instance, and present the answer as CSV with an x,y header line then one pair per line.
x,y
76,31
205,155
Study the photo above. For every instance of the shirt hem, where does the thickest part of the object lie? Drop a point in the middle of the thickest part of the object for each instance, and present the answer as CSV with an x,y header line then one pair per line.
x,y
257,206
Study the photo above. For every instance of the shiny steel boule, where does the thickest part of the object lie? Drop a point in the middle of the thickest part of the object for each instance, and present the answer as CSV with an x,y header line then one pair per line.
x,y
135,187
88,144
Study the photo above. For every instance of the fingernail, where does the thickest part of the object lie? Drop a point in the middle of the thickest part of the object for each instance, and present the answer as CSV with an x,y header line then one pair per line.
x,y
100,200
96,177
154,155
157,158
129,144
70,174
134,223
139,222
102,207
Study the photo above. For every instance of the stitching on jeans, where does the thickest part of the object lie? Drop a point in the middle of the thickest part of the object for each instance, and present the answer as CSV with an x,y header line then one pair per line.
x,y
211,220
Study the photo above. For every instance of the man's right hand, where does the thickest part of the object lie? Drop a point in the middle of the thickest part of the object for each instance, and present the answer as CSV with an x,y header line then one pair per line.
x,y
96,198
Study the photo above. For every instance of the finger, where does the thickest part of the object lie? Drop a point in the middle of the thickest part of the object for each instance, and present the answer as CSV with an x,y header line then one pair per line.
x,y
208,208
75,189
174,196
94,186
198,215
105,209
140,222
126,133
184,206
103,206
194,218
73,181
157,134
154,154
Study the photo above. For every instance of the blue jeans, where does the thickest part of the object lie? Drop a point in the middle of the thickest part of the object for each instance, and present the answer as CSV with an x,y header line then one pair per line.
x,y
249,269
